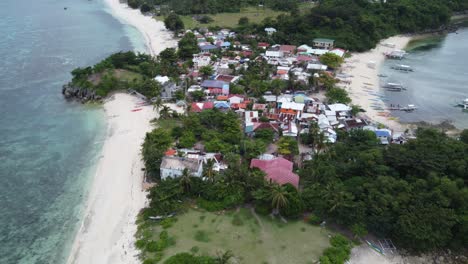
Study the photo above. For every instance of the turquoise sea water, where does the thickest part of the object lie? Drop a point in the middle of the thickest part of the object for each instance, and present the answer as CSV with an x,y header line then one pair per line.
x,y
439,80
48,146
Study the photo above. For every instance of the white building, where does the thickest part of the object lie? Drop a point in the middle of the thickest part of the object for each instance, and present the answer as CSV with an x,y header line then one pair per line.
x,y
236,99
270,30
173,167
274,52
201,60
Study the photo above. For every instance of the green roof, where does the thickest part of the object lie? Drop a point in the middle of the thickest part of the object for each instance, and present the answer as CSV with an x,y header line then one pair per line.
x,y
324,40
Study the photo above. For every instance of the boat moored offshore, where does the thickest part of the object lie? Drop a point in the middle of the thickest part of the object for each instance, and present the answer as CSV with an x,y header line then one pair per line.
x,y
402,67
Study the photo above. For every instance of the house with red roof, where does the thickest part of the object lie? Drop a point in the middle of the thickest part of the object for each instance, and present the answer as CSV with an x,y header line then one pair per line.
x,y
227,78
247,53
277,170
288,49
263,45
199,107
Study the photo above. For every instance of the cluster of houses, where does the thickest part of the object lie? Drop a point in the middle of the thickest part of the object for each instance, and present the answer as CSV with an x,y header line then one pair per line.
x,y
289,114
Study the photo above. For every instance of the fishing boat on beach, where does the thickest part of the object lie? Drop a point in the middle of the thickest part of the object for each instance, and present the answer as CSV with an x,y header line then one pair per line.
x,y
402,67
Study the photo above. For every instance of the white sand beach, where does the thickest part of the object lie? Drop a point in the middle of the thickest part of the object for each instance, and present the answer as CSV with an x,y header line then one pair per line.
x,y
116,195
365,79
157,37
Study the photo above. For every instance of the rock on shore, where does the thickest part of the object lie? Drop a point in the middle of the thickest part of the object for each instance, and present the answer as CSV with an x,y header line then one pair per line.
x,y
84,95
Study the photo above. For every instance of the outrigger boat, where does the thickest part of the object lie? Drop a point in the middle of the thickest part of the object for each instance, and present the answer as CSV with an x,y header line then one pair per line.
x,y
463,104
402,67
409,108
398,87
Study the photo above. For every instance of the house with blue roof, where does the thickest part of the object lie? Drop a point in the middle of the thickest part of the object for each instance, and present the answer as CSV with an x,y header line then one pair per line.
x,y
384,135
209,47
221,105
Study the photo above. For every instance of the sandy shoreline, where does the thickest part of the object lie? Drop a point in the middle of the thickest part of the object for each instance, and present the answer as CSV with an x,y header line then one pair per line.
x,y
157,37
116,196
365,80
107,232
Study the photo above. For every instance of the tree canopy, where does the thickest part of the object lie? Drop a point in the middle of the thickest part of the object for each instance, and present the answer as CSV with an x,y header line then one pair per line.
x,y
413,193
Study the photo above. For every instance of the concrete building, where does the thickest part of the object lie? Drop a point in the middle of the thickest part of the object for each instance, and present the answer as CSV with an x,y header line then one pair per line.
x,y
173,167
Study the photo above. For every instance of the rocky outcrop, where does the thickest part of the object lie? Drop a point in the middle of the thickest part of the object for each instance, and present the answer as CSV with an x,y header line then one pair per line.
x,y
84,95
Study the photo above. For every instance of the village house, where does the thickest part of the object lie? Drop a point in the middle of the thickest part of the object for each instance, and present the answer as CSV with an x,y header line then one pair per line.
x,y
384,135
270,31
290,129
201,60
278,170
168,87
214,87
249,118
263,45
199,107
288,50
208,47
173,167
323,43
227,78
274,52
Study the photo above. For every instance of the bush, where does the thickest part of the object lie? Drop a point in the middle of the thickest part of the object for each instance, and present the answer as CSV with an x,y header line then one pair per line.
x,y
194,249
152,246
168,222
164,235
314,219
210,206
141,244
202,236
339,252
206,19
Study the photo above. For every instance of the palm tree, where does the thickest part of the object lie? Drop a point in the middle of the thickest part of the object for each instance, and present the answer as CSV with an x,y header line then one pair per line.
x,y
209,172
165,112
279,197
157,104
185,180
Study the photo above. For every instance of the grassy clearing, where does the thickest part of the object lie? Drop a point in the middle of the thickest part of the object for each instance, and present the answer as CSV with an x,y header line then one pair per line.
x,y
230,19
126,75
168,124
306,6
271,242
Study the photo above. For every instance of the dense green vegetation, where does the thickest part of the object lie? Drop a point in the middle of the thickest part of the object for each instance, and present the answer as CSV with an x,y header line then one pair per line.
x,y
174,22
119,71
413,193
358,24
124,70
